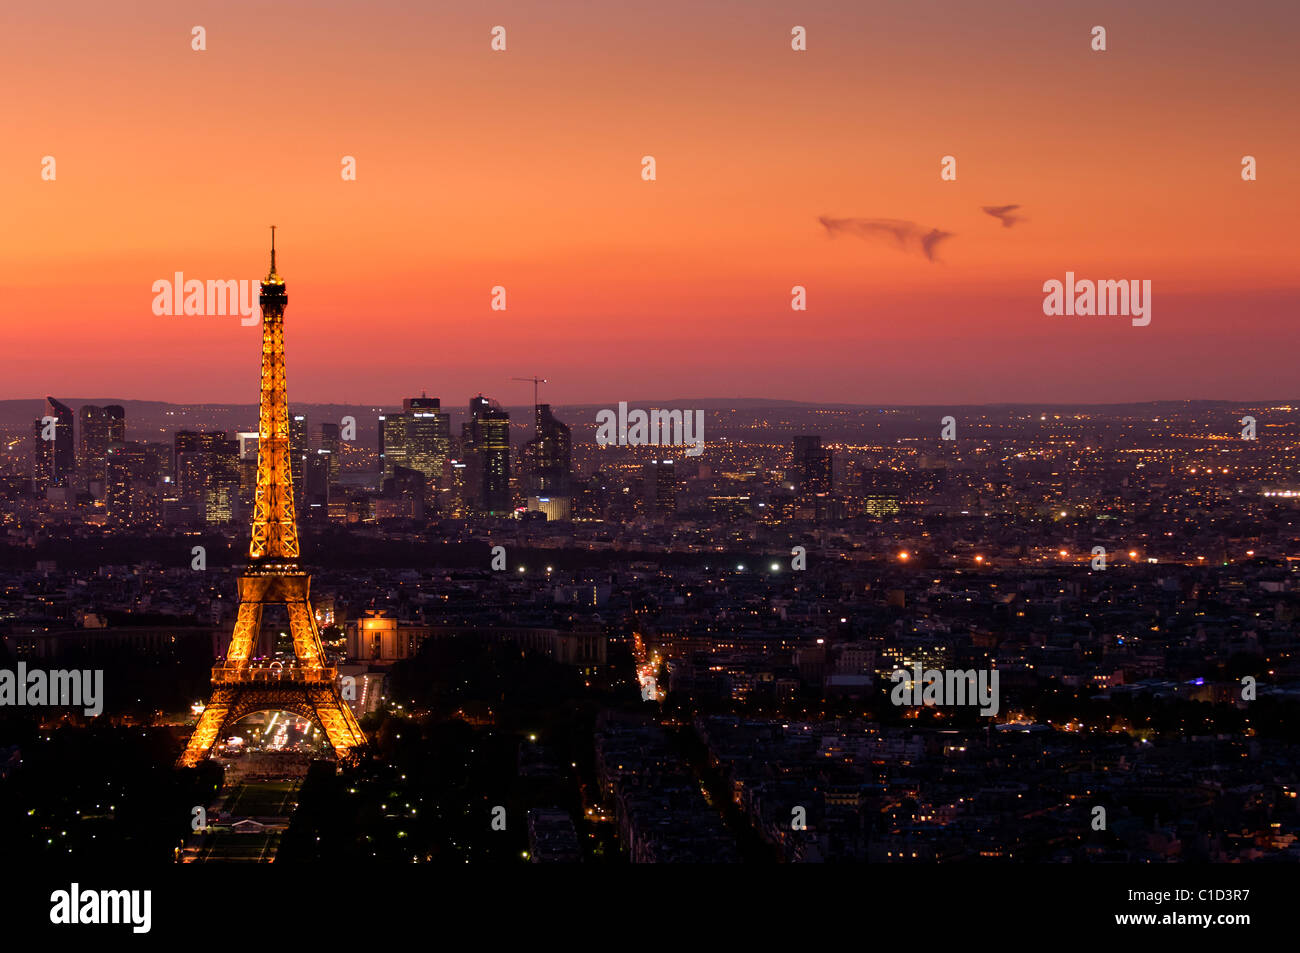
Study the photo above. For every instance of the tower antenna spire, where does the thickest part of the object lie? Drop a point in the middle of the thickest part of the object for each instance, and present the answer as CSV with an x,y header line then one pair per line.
x,y
273,249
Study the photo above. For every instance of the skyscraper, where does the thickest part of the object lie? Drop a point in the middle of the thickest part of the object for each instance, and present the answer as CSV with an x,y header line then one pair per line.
x,y
298,455
812,465
101,427
55,459
429,436
316,488
207,473
419,438
329,439
486,443
132,474
548,456
661,487
454,501
322,468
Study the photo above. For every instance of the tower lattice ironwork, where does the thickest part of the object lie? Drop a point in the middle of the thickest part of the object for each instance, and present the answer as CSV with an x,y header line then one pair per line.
x,y
243,684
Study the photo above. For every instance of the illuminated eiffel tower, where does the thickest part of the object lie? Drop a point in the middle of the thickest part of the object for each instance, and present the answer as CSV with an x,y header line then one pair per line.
x,y
241,684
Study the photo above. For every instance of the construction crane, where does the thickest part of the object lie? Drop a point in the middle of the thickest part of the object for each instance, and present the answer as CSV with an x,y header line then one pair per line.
x,y
537,382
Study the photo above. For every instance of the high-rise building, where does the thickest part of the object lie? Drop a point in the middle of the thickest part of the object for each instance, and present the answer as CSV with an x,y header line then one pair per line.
x,y
192,450
404,495
164,453
316,486
298,455
548,456
329,439
455,495
101,427
812,465
133,473
418,438
55,460
661,486
207,473
247,443
322,468
428,438
485,439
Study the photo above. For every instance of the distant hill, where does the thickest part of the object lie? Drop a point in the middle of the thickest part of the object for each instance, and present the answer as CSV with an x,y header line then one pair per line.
x,y
157,420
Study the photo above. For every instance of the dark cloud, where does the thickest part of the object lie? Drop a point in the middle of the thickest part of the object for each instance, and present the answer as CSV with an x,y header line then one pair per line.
x,y
908,236
1003,214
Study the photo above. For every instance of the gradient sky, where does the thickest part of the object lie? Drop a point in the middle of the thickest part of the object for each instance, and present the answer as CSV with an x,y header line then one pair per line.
x,y
522,169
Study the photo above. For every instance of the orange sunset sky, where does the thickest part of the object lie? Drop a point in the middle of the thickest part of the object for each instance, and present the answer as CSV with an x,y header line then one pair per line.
x,y
523,169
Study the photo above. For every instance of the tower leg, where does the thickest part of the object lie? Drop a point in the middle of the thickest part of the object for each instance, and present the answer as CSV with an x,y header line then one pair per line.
x,y
206,733
340,724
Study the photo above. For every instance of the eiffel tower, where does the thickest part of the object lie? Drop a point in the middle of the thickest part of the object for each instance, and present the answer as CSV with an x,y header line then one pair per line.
x,y
241,684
